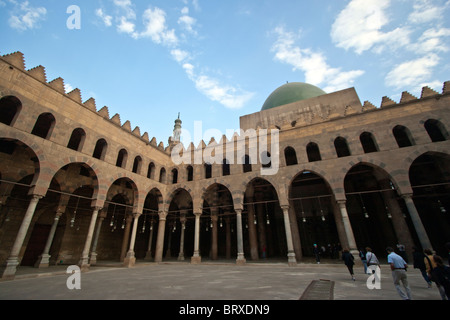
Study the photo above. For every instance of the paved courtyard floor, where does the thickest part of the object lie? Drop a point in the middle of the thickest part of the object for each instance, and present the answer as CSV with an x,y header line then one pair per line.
x,y
208,281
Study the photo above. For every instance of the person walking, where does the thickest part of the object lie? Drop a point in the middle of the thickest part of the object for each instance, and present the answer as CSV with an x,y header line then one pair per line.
x,y
398,267
349,261
371,259
402,251
362,255
419,263
442,275
430,264
316,251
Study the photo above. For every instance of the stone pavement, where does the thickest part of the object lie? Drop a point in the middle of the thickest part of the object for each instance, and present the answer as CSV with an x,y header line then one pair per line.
x,y
209,281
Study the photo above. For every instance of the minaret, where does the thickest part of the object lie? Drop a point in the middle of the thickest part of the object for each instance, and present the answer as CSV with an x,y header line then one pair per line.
x,y
177,130
175,139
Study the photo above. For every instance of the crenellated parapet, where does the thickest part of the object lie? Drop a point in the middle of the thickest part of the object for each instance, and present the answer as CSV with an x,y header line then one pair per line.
x,y
328,107
17,60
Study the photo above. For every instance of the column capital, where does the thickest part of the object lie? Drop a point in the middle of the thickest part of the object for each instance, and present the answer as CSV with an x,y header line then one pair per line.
x,y
198,214
162,214
284,207
238,210
97,208
342,203
136,215
36,197
406,196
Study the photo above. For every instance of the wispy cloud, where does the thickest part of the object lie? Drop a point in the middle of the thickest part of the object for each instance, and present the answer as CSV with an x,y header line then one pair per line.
x,y
360,26
187,22
426,11
156,28
24,17
107,20
413,73
229,96
365,25
313,64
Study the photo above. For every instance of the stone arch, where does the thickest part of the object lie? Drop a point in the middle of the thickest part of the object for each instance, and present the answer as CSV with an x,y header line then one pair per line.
x,y
429,176
145,244
44,125
217,219
375,209
10,108
313,215
262,219
135,198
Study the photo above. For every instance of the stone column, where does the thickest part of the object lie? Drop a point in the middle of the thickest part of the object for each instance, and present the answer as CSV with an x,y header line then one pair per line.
x,y
44,259
148,255
240,240
295,233
196,258
290,245
160,236
228,237
420,229
261,229
398,221
349,232
84,261
252,232
130,259
183,227
8,271
93,257
214,234
126,236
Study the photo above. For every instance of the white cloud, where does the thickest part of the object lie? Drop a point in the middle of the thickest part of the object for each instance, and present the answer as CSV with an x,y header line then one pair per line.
x,y
126,6
187,22
156,27
431,41
228,96
313,64
25,17
425,11
107,20
125,26
68,87
359,27
412,73
179,55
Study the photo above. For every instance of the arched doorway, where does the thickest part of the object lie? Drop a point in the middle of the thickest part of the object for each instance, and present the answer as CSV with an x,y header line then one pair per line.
x,y
114,238
218,223
377,214
147,226
263,222
312,201
429,176
180,227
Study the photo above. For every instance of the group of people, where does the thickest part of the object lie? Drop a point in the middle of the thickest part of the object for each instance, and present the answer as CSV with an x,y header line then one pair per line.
x,y
434,270
332,250
431,266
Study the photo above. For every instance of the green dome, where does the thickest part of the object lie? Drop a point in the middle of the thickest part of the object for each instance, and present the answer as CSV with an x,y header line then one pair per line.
x,y
292,92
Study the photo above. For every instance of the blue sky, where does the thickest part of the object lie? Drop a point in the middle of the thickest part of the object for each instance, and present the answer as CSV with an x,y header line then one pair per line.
x,y
214,61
